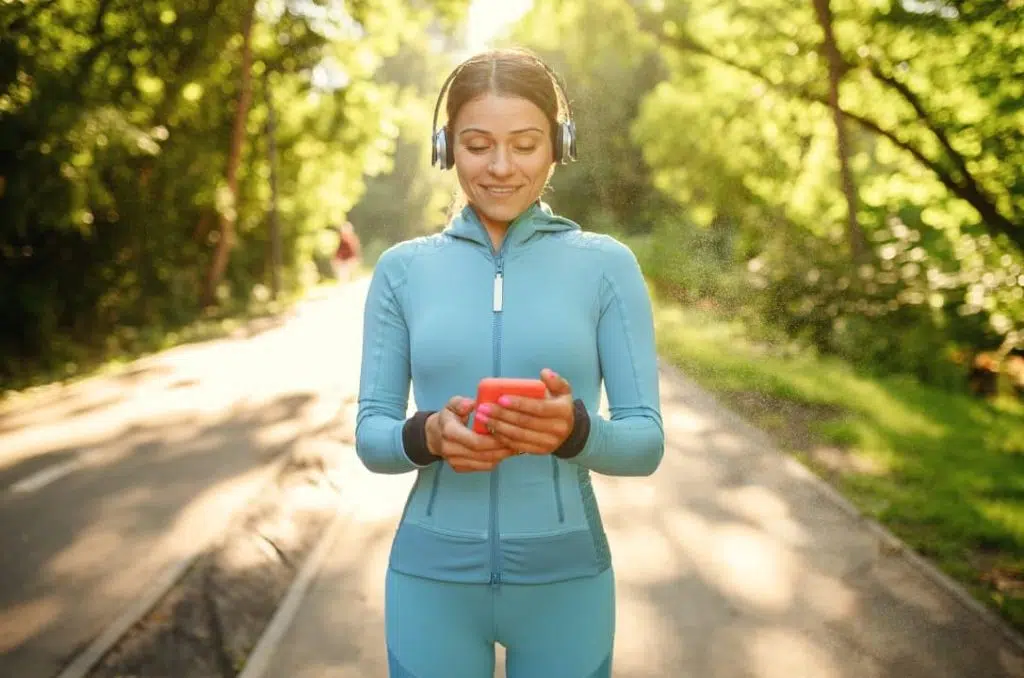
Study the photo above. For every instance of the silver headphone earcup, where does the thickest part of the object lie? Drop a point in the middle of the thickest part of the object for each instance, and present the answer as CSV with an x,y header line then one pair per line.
x,y
568,134
439,154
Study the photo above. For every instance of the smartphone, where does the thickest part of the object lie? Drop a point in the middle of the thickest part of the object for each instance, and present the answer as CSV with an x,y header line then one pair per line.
x,y
492,388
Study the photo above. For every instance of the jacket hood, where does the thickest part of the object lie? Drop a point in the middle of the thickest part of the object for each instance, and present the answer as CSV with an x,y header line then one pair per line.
x,y
538,218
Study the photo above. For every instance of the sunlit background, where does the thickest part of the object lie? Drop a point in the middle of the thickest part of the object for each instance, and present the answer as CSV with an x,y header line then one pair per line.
x,y
487,19
826,198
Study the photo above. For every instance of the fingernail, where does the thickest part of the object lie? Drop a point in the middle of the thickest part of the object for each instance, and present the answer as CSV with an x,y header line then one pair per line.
x,y
504,401
481,417
484,409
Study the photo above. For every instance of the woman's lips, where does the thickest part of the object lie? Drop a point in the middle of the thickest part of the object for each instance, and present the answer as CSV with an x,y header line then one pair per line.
x,y
500,191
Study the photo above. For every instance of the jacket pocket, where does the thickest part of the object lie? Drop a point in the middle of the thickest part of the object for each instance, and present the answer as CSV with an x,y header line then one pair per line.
x,y
558,488
433,488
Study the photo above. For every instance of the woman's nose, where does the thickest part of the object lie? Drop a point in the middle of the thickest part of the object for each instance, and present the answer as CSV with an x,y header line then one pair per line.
x,y
500,164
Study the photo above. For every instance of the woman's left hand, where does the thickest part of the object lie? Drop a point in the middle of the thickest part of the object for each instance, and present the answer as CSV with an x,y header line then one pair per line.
x,y
532,425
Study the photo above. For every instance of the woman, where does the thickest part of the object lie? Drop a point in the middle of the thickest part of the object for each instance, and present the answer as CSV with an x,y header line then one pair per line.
x,y
501,539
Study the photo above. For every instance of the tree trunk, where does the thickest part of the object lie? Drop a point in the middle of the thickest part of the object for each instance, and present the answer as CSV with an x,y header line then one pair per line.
x,y
229,217
275,226
855,236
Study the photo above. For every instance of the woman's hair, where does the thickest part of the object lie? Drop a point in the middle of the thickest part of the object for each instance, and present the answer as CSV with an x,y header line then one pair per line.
x,y
505,72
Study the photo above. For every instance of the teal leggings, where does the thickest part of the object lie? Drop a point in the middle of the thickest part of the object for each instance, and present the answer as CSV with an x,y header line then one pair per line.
x,y
442,630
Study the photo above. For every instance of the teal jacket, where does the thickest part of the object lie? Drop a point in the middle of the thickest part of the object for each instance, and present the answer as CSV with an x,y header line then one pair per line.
x,y
445,310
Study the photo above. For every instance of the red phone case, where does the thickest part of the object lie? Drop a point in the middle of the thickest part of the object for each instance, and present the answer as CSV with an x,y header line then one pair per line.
x,y
492,388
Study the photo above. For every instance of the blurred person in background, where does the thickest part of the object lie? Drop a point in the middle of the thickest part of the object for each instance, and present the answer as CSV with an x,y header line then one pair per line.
x,y
348,255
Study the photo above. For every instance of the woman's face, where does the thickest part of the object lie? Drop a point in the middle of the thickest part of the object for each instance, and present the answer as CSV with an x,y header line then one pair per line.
x,y
503,155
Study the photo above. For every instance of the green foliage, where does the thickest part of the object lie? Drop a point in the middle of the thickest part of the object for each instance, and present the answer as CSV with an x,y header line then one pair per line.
x,y
115,125
411,197
739,131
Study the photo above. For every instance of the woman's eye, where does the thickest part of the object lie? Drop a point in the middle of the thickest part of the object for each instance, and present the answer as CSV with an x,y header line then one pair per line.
x,y
526,149
476,149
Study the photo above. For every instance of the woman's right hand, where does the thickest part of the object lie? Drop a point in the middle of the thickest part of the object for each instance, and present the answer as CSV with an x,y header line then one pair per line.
x,y
464,449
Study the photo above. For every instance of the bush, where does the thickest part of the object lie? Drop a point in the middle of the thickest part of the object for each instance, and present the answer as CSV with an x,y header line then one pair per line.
x,y
897,313
692,264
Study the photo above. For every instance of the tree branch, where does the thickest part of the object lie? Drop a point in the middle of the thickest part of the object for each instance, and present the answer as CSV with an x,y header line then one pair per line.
x,y
836,69
915,102
228,217
967,190
925,119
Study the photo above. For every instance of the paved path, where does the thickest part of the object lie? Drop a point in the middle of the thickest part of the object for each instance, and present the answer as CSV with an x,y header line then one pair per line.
x,y
110,484
731,561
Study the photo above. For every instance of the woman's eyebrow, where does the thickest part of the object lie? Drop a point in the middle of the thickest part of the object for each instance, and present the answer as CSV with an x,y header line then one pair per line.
x,y
477,130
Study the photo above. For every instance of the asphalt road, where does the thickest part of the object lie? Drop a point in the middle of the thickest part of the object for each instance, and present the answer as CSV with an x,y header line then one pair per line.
x,y
109,483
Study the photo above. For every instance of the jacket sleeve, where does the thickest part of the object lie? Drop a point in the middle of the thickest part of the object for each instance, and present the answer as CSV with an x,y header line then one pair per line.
x,y
384,373
632,441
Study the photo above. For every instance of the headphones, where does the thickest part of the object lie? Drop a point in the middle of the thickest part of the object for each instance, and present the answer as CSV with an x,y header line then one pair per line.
x,y
563,136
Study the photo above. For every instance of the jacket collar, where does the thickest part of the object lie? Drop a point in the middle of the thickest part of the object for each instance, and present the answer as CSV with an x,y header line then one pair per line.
x,y
537,218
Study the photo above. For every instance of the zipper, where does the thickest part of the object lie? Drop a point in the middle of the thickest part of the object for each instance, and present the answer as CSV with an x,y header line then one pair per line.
x,y
497,304
498,296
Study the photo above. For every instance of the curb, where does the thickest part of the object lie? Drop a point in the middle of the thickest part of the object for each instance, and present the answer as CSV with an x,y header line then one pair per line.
x,y
262,654
918,562
937,576
96,650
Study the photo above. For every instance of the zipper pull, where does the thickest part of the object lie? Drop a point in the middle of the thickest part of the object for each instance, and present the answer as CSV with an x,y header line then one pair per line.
x,y
498,292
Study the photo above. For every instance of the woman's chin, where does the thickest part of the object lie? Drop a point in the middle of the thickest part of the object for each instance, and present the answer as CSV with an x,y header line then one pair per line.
x,y
503,213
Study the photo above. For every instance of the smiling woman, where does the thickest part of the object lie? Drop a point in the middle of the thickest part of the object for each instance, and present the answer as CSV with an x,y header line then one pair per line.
x,y
508,123
501,539
504,140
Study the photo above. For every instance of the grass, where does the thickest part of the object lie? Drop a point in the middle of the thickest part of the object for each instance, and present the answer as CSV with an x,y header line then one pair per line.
x,y
943,471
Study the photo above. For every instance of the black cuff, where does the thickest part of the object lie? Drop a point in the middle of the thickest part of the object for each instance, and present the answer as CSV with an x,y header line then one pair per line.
x,y
414,439
573,445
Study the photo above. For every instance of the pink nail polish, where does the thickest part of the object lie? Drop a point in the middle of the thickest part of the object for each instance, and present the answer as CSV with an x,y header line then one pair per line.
x,y
481,417
504,401
484,409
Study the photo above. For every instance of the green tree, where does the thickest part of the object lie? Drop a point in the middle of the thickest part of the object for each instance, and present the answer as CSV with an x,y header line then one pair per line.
x,y
124,150
935,147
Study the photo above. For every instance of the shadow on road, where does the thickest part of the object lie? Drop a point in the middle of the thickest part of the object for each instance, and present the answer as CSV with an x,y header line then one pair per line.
x,y
79,549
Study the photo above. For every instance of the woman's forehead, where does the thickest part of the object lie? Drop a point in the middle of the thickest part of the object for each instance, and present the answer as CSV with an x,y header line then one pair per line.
x,y
496,113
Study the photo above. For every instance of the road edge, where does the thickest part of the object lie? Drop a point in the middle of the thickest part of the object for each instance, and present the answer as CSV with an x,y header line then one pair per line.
x,y
891,541
86,660
263,653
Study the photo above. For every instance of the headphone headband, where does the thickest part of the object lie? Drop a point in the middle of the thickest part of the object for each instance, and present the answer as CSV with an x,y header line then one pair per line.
x,y
564,135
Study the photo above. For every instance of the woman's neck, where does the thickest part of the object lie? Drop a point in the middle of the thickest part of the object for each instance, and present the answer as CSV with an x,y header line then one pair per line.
x,y
496,230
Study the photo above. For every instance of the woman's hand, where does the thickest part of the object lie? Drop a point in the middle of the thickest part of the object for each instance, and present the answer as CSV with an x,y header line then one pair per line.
x,y
532,425
465,450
